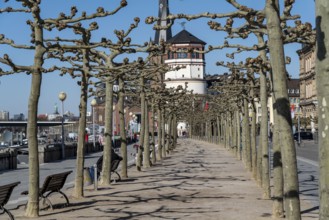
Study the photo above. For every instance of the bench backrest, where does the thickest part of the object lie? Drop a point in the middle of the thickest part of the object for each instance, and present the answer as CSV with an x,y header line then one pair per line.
x,y
114,163
55,182
5,192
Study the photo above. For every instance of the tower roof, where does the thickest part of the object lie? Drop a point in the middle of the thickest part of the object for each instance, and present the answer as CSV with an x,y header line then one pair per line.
x,y
185,37
163,13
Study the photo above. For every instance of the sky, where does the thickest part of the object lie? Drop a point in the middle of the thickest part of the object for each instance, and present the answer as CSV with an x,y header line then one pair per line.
x,y
14,89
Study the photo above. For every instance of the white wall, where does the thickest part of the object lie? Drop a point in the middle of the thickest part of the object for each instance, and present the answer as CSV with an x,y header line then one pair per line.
x,y
194,68
181,127
197,86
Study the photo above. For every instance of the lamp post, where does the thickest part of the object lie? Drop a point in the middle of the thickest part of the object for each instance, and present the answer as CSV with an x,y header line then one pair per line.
x,y
93,104
62,97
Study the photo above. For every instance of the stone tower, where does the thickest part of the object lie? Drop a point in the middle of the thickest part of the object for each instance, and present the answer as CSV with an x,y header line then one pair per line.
x,y
181,54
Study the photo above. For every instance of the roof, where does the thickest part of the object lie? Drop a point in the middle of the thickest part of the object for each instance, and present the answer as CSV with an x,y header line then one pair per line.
x,y
293,83
293,87
163,13
185,37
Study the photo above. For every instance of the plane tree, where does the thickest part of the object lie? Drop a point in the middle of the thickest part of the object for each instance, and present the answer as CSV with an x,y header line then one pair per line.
x,y
39,26
321,64
100,64
275,27
123,72
129,77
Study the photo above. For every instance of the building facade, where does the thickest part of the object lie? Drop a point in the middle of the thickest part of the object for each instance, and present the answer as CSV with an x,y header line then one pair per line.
x,y
294,97
178,54
4,116
308,95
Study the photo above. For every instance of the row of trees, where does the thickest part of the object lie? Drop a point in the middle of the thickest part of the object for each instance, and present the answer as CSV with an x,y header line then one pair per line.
x,y
272,29
142,80
91,61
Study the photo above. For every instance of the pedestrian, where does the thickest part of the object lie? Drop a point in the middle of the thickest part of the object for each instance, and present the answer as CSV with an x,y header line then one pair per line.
x,y
86,137
100,139
135,137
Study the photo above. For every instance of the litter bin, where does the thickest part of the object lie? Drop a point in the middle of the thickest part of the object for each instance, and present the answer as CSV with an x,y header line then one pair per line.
x,y
87,177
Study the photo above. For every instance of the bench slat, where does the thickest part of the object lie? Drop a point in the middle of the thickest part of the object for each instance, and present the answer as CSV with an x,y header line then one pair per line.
x,y
5,192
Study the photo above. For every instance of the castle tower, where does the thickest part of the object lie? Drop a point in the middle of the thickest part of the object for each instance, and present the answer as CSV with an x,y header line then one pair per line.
x,y
181,54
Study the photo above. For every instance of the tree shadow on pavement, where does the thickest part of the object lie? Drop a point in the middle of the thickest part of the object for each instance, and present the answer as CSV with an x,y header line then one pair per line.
x,y
75,206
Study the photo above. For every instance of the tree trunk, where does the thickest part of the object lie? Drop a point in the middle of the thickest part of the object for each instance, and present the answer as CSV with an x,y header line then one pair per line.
x,y
234,134
146,156
322,60
168,136
264,171
32,208
239,150
277,208
163,122
191,128
78,182
123,138
246,136
105,178
174,131
253,135
152,134
160,133
223,129
218,129
264,150
282,107
141,133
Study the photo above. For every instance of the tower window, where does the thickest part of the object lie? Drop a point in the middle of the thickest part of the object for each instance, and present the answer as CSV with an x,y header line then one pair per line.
x,y
195,55
171,55
181,55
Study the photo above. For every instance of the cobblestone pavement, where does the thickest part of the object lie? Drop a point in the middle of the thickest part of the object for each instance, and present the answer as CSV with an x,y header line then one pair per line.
x,y
197,181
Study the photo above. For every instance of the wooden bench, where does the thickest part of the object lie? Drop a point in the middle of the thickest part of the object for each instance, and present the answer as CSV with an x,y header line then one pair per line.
x,y
52,184
114,165
5,193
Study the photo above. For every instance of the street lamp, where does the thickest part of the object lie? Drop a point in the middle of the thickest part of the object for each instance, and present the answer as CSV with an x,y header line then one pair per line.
x,y
93,104
62,97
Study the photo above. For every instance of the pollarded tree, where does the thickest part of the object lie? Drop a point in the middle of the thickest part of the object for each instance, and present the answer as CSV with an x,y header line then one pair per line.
x,y
38,25
321,64
123,72
97,64
80,58
274,31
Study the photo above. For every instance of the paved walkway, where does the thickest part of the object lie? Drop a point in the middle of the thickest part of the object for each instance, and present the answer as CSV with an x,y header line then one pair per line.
x,y
198,181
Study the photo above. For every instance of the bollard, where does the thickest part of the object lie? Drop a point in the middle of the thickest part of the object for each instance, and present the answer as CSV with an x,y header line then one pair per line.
x,y
95,177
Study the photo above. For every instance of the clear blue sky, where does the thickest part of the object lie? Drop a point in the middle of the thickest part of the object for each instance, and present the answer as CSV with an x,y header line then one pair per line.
x,y
14,89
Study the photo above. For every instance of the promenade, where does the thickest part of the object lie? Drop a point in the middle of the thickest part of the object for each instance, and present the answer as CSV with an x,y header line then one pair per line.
x,y
198,180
